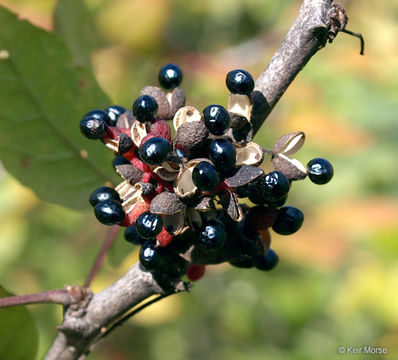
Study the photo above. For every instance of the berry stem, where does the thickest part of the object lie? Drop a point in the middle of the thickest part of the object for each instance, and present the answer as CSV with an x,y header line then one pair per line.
x,y
110,238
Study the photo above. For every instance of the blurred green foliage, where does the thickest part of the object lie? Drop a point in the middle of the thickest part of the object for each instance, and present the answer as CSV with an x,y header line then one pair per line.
x,y
337,281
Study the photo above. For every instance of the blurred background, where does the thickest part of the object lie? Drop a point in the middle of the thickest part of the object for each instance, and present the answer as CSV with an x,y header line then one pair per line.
x,y
337,280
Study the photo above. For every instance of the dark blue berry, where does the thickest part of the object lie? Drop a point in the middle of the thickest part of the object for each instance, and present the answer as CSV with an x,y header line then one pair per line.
x,y
170,76
93,125
240,82
223,154
271,187
120,160
149,225
154,151
150,256
266,262
205,176
320,171
103,193
145,108
212,235
114,112
277,203
131,235
216,119
109,212
288,220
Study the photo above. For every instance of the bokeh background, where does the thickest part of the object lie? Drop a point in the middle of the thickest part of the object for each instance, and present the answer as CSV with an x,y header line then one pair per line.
x,y
337,280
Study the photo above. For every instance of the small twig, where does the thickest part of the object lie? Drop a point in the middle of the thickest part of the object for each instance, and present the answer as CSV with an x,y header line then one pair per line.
x,y
358,35
110,238
63,297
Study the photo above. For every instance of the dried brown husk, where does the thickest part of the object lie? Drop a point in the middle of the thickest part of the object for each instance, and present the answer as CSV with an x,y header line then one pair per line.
x,y
160,96
244,175
250,154
240,105
176,99
175,223
184,115
130,194
205,204
184,186
229,202
191,135
129,172
290,143
138,132
167,171
125,120
291,168
166,203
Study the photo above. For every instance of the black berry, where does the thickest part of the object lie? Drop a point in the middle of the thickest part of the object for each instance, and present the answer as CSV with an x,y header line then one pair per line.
x,y
222,153
271,187
102,194
216,119
320,171
170,76
120,160
288,220
145,108
212,235
240,82
154,151
245,263
266,262
205,176
93,126
131,235
150,257
109,212
114,112
149,225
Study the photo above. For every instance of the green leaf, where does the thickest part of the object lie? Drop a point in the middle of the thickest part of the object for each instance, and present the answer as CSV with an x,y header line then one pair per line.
x,y
43,96
74,24
19,338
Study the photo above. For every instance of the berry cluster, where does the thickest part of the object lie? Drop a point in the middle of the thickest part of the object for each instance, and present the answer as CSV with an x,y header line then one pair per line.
x,y
179,199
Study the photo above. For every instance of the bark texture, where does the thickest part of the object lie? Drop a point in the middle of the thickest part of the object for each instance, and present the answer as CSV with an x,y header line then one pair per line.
x,y
313,27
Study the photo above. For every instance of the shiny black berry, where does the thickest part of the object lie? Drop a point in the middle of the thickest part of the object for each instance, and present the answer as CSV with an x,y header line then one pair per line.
x,y
170,76
223,154
320,171
114,112
149,225
216,119
93,125
212,235
154,151
103,193
240,82
205,176
131,235
109,212
266,262
271,187
288,220
150,256
145,108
